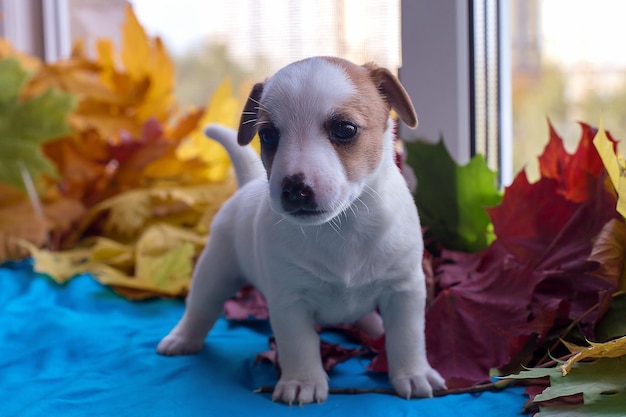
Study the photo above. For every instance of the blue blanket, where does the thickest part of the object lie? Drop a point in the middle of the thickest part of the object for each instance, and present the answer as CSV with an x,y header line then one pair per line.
x,y
81,350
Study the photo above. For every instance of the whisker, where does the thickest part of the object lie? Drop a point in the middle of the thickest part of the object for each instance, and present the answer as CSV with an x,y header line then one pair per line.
x,y
364,205
334,226
369,190
282,219
249,121
261,106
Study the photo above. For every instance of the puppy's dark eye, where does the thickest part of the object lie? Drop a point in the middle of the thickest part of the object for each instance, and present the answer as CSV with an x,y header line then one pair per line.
x,y
270,136
342,131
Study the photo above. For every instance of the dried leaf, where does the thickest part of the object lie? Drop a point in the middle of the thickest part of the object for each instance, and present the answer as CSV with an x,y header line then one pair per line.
x,y
612,349
609,252
331,354
146,59
60,266
247,303
224,108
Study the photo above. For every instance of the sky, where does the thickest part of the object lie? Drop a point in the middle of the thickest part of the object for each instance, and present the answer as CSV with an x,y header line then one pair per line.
x,y
591,31
572,30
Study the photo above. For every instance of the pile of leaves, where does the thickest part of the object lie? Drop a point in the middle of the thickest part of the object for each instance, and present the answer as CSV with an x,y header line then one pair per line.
x,y
100,161
590,380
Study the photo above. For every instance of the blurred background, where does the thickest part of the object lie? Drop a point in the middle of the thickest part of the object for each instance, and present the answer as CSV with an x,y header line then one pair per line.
x,y
562,60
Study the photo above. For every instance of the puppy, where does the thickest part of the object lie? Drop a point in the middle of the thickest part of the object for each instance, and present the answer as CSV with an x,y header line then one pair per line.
x,y
328,231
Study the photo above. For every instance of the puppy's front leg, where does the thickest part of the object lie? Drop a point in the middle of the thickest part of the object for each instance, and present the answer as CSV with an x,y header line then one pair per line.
x,y
303,379
409,370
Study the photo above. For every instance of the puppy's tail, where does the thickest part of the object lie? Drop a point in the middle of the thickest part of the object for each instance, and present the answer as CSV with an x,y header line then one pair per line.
x,y
245,160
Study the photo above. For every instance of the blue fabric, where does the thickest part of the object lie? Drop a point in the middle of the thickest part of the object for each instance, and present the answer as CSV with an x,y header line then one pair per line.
x,y
81,350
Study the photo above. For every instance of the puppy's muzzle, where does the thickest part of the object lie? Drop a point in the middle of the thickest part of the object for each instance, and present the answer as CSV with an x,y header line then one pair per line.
x,y
297,198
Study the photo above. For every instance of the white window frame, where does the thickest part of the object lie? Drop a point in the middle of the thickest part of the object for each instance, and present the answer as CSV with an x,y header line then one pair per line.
x,y
459,94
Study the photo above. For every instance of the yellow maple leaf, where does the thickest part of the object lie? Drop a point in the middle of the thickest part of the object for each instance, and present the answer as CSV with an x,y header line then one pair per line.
x,y
165,258
224,108
613,349
145,59
114,254
60,266
128,212
615,166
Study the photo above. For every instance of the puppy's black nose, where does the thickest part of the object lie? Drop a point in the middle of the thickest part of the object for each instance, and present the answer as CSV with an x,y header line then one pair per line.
x,y
296,195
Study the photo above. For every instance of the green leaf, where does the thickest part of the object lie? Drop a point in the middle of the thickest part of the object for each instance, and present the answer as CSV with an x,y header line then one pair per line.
x,y
452,199
591,379
613,324
611,405
26,124
534,373
602,384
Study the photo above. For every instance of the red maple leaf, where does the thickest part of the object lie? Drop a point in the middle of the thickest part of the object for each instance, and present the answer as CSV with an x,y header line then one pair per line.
x,y
331,353
247,303
574,173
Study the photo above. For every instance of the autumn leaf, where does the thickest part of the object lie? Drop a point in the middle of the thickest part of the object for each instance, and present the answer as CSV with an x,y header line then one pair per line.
x,y
480,318
247,303
60,266
26,124
609,252
614,165
18,221
600,384
574,172
331,354
612,349
144,58
223,107
452,199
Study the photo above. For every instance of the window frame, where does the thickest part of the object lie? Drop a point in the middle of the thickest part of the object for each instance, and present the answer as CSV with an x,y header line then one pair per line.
x,y
451,69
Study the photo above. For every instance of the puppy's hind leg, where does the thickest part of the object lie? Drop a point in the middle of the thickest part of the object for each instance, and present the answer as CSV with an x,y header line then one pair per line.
x,y
215,278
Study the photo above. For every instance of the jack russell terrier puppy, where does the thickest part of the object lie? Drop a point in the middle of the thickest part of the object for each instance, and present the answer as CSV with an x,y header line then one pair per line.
x,y
328,231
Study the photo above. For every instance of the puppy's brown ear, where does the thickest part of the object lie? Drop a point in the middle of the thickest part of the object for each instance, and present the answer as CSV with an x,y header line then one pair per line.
x,y
248,121
394,94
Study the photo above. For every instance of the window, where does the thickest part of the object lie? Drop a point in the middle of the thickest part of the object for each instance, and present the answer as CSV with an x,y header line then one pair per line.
x,y
251,39
568,65
468,65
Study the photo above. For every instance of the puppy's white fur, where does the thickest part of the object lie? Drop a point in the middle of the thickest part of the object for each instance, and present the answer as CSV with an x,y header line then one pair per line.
x,y
360,249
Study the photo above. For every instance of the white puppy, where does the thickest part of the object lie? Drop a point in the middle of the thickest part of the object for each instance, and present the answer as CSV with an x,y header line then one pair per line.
x,y
327,232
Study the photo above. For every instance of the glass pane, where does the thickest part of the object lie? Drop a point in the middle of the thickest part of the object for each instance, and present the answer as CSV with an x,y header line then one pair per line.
x,y
568,65
248,40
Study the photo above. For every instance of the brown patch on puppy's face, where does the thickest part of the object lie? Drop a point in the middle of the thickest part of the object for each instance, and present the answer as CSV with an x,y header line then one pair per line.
x,y
377,91
366,113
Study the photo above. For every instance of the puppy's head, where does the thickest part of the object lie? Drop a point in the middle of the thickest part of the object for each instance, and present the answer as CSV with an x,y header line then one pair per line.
x,y
323,125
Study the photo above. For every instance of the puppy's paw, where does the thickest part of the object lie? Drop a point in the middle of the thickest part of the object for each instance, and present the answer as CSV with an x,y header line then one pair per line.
x,y
419,385
301,391
174,345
